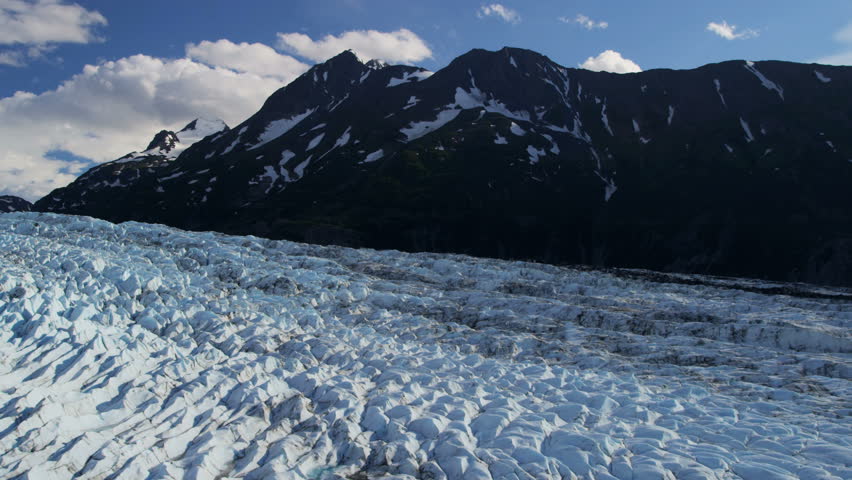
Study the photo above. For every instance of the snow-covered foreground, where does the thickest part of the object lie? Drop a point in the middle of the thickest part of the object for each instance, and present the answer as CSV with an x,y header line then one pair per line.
x,y
138,351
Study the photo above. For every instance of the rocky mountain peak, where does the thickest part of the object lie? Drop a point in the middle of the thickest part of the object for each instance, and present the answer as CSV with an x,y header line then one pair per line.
x,y
164,141
376,64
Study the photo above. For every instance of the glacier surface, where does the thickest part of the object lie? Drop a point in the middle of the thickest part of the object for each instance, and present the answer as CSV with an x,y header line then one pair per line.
x,y
140,351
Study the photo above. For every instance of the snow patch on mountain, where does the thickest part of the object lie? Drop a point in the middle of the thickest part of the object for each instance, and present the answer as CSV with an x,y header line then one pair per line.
x,y
412,101
372,157
822,78
719,92
609,185
270,177
605,119
200,128
554,147
344,138
276,128
748,136
535,154
286,155
415,130
769,84
517,130
475,98
315,141
410,77
299,170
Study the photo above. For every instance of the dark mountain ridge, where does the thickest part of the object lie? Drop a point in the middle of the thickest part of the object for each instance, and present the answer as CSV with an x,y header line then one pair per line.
x,y
11,203
737,168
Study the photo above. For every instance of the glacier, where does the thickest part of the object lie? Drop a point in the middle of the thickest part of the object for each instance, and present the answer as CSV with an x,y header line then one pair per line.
x,y
142,351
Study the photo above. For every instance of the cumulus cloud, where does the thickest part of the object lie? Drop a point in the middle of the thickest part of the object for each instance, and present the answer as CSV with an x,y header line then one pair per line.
x,y
585,22
246,57
610,61
112,108
729,32
400,46
498,10
29,26
46,21
843,36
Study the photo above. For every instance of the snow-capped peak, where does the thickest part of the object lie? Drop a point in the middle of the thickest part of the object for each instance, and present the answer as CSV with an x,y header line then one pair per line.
x,y
200,128
170,145
375,64
163,143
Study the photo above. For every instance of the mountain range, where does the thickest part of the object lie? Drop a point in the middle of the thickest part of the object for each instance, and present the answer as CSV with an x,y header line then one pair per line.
x,y
738,168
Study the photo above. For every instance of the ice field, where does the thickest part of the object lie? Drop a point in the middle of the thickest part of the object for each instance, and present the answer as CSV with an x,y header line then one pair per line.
x,y
140,351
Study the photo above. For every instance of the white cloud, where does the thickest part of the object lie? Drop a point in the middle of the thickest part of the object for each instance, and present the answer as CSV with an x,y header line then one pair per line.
x,y
247,57
585,22
12,59
496,9
113,108
400,46
30,26
844,35
841,59
46,21
610,61
729,32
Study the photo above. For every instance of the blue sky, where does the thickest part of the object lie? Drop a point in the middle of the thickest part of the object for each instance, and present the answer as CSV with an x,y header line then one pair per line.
x,y
101,76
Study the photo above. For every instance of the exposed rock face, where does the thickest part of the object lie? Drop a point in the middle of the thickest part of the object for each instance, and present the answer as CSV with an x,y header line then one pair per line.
x,y
737,168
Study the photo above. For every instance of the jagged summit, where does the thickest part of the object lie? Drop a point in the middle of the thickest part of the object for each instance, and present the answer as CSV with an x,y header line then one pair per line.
x,y
738,168
164,141
376,64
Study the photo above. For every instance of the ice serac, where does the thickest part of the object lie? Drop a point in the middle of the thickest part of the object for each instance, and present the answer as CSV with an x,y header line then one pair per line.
x,y
664,169
141,351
